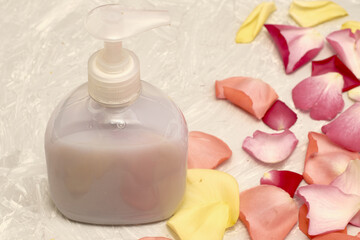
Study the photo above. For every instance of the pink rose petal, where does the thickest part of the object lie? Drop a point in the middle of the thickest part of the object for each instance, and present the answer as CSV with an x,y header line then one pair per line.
x,y
354,94
279,116
345,129
296,45
329,208
286,180
325,160
267,211
252,95
336,236
334,64
321,95
356,220
206,151
347,45
270,148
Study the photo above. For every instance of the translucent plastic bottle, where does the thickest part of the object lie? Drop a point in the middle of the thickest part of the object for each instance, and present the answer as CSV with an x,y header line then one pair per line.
x,y
116,147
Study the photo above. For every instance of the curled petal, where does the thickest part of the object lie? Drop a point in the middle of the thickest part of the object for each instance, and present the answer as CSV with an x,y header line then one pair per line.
x,y
329,208
267,211
304,222
279,116
312,13
352,25
321,95
336,236
334,64
297,46
270,148
349,181
254,22
345,129
210,205
286,180
354,94
252,95
206,151
325,160
347,45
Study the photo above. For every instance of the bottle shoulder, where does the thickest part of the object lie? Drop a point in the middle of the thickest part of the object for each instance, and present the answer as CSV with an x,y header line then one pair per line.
x,y
151,113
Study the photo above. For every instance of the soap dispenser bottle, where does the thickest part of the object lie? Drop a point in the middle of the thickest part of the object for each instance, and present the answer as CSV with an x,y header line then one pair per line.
x,y
116,147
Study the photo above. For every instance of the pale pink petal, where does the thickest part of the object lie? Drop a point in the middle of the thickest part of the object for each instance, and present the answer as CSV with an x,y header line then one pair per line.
x,y
267,211
349,181
206,151
329,208
347,45
286,180
325,160
253,95
345,129
321,95
334,64
336,236
356,220
270,148
354,94
279,116
296,45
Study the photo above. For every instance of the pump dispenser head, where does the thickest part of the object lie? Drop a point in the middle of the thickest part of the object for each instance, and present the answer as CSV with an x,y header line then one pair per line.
x,y
114,72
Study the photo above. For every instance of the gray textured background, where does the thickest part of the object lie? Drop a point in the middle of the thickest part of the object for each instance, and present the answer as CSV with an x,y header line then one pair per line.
x,y
44,50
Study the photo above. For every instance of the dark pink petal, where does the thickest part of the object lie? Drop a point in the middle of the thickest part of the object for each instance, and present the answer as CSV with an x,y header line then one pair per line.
x,y
347,45
329,208
279,116
286,180
270,148
253,95
334,64
206,151
325,160
345,130
267,211
296,45
321,95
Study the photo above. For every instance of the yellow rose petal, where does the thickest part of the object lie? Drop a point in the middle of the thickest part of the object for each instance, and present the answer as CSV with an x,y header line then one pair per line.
x,y
312,13
254,22
354,94
211,198
353,25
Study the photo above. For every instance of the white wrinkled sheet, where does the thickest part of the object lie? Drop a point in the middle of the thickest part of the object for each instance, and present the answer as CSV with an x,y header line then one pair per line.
x,y
44,50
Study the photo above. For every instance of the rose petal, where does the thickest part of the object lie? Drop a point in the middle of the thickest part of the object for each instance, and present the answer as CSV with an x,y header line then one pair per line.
x,y
296,45
206,151
356,220
304,222
352,25
334,64
349,181
312,13
279,116
336,236
154,238
329,208
254,22
354,94
270,148
252,95
267,211
286,180
201,223
347,45
211,198
321,95
345,129
325,160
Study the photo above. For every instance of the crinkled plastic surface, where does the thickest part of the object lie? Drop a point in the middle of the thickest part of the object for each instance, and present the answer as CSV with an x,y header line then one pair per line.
x,y
43,56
